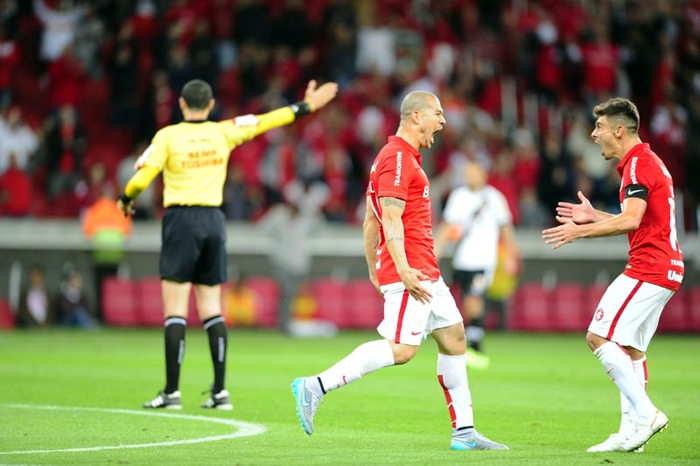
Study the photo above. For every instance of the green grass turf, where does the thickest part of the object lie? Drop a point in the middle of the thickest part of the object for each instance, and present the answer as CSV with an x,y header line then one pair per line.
x,y
545,396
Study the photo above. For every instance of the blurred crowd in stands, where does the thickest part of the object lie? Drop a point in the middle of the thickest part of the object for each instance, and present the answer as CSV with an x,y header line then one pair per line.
x,y
84,85
41,306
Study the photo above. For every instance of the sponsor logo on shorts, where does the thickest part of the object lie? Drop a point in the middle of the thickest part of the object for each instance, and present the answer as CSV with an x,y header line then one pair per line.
x,y
416,333
599,314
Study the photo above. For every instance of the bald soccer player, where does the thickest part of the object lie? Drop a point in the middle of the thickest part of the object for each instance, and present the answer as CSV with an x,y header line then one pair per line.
x,y
402,267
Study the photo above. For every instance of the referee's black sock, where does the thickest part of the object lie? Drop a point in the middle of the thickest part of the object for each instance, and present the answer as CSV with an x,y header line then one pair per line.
x,y
475,333
216,329
174,351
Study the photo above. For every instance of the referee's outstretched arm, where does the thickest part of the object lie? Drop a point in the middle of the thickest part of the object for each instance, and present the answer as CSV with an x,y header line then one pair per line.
x,y
237,131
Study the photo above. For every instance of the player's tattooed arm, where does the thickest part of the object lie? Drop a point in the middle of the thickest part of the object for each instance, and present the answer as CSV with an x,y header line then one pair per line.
x,y
392,224
392,212
392,201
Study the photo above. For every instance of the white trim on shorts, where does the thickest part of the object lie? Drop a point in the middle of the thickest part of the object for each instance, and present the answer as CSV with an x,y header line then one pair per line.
x,y
408,321
629,312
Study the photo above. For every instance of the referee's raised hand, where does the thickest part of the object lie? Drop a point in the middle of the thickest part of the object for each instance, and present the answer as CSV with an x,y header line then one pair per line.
x,y
317,97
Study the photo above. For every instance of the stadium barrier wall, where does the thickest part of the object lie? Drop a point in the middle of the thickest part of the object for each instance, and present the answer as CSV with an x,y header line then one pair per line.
x,y
337,254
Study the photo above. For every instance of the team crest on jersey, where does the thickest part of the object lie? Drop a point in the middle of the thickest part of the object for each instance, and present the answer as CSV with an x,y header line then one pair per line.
x,y
599,314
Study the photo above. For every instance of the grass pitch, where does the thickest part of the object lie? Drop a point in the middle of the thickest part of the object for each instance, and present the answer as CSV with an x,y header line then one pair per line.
x,y
545,396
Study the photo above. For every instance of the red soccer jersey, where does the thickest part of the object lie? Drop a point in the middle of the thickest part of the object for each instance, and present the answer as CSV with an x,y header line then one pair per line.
x,y
397,172
655,256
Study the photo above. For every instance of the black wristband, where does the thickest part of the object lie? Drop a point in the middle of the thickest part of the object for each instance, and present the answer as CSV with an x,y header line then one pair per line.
x,y
124,198
300,109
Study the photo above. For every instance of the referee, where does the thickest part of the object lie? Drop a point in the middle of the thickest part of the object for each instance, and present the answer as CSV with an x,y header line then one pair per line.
x,y
193,156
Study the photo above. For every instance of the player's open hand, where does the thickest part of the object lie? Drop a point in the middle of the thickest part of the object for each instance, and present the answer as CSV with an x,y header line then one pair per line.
x,y
411,280
567,232
578,213
127,208
317,97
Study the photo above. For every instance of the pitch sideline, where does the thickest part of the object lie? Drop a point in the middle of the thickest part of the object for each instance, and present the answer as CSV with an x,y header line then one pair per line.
x,y
245,429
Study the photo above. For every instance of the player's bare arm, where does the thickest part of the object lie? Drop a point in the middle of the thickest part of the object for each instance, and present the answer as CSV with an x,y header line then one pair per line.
x,y
581,213
392,223
632,212
370,230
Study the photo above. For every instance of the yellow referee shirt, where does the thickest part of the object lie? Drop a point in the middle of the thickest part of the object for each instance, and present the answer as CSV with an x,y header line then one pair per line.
x,y
193,157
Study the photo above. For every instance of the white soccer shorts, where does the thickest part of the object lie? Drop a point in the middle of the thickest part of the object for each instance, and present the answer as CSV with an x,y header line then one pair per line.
x,y
408,321
629,312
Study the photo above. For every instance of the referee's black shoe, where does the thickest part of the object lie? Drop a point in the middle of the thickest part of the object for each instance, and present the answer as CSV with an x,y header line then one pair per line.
x,y
220,400
164,400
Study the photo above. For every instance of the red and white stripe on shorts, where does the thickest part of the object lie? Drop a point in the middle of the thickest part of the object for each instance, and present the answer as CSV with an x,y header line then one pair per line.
x,y
629,312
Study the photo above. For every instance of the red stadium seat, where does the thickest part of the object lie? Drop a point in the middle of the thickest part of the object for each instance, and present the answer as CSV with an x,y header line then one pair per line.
x,y
364,306
331,298
267,293
693,309
530,309
569,308
120,302
7,318
674,316
150,302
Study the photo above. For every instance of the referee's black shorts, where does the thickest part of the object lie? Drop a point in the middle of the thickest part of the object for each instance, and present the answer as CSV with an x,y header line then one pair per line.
x,y
194,245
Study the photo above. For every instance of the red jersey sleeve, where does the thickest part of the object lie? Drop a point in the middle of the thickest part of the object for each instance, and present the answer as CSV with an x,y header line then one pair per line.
x,y
393,176
638,178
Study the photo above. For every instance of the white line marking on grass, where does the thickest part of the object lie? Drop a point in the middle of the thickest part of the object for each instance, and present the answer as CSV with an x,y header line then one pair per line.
x,y
245,429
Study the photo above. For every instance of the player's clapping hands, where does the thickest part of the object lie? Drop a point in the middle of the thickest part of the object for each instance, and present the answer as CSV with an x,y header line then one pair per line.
x,y
317,97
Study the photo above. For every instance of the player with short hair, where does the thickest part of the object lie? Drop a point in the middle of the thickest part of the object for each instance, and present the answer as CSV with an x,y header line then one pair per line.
x,y
402,267
629,311
476,217
193,156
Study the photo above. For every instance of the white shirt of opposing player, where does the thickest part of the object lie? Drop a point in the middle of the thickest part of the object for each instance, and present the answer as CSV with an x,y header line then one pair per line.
x,y
481,214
